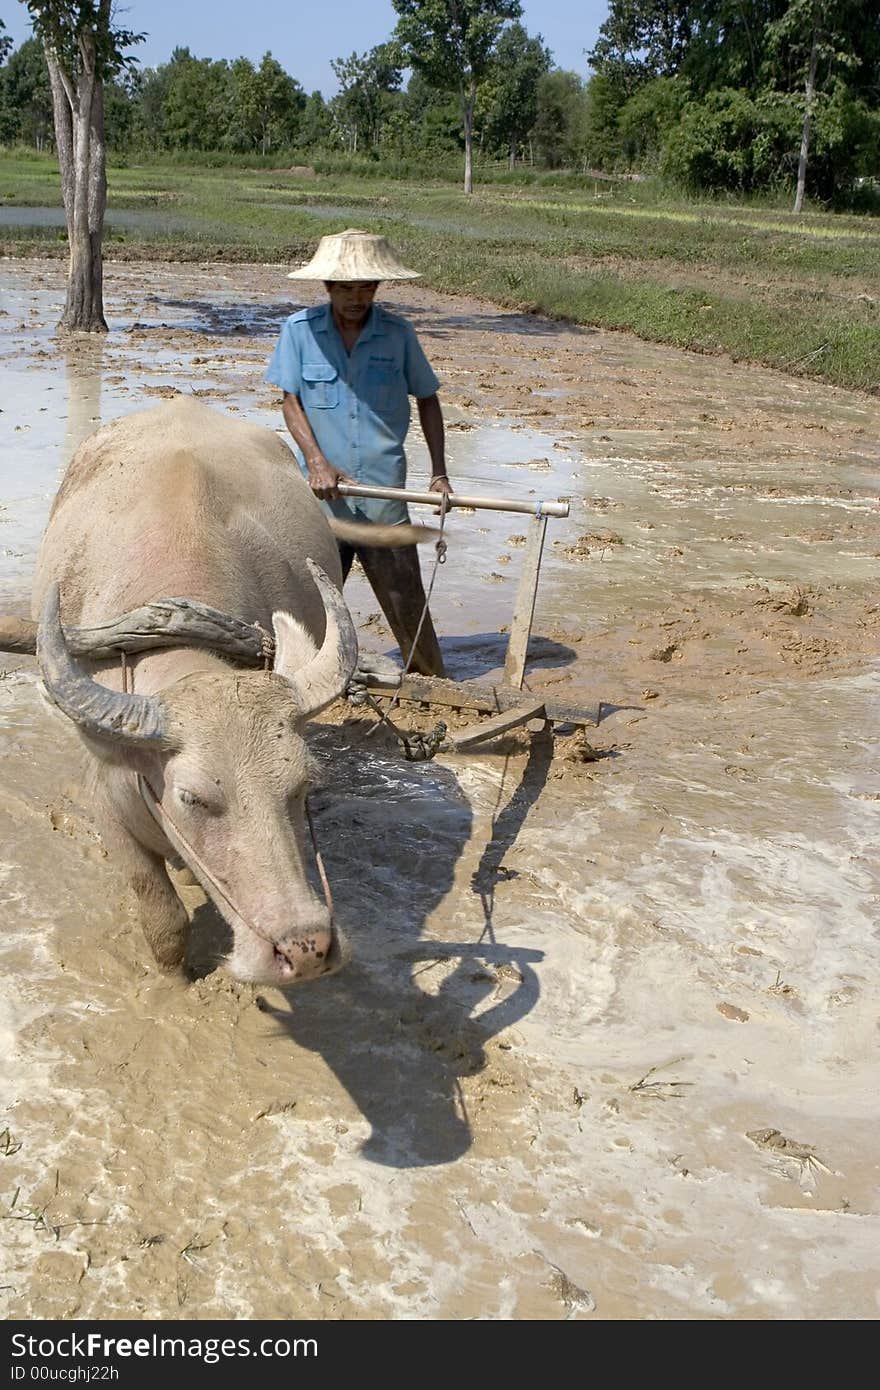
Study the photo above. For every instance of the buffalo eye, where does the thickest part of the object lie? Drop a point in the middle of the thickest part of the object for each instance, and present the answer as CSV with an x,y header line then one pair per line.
x,y
189,798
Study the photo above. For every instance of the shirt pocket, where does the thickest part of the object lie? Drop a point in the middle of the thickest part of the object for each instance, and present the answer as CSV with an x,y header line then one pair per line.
x,y
386,387
320,386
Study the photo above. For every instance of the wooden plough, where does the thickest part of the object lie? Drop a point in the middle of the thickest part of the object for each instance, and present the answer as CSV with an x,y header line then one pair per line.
x,y
507,704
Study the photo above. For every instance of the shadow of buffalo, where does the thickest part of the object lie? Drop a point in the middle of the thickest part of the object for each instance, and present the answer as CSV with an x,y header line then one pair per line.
x,y
391,833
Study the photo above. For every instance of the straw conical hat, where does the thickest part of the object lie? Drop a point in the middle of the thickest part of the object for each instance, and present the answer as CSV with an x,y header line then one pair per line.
x,y
353,255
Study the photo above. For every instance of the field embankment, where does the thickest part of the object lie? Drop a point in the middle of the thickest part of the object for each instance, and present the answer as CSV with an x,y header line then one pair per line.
x,y
799,294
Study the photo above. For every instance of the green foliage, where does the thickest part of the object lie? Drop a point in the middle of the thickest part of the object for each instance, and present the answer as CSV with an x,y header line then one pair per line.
x,y
316,122
641,40
509,94
452,42
82,30
368,84
648,119
713,93
265,107
559,130
26,97
196,102
763,77
731,142
603,101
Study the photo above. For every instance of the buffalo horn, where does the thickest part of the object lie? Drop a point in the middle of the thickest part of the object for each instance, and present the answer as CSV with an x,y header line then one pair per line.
x,y
326,673
96,710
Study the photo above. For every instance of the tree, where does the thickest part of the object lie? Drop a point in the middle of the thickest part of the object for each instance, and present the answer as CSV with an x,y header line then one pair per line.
x,y
27,95
559,126
763,79
603,103
5,42
646,119
316,122
512,98
266,105
83,49
642,39
430,121
813,32
366,83
150,88
197,103
452,43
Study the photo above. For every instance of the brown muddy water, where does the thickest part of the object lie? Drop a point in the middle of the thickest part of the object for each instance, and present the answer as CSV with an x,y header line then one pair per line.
x,y
608,1044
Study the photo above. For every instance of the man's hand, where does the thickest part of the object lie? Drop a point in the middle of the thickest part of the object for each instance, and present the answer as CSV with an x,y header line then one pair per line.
x,y
440,483
324,479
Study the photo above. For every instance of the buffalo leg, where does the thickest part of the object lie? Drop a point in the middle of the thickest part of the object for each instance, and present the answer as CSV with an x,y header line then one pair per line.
x,y
161,914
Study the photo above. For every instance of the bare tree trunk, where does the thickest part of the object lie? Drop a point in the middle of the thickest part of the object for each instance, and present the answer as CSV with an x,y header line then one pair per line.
x,y
511,158
468,102
809,97
79,136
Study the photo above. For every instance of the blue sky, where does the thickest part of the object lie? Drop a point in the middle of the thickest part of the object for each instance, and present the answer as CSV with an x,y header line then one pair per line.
x,y
305,34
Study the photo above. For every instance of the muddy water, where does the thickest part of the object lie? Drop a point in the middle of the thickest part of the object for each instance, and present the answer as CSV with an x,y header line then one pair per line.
x,y
607,1046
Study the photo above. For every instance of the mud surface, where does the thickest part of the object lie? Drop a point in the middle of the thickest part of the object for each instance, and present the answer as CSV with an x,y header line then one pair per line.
x,y
608,1044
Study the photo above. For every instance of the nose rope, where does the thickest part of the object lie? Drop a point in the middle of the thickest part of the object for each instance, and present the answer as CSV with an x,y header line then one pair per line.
x,y
182,845
325,882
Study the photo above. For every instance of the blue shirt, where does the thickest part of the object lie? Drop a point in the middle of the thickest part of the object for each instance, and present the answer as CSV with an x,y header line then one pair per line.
x,y
357,403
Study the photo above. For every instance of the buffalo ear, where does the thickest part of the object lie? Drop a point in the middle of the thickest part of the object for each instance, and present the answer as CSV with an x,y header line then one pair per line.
x,y
317,676
295,647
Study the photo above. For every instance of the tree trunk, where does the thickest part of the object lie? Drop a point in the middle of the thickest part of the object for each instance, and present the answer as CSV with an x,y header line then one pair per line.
x,y
79,137
511,158
809,97
468,102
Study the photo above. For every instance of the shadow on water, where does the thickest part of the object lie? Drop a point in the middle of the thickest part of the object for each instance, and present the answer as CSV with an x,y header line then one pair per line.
x,y
253,320
440,325
391,834
264,320
475,654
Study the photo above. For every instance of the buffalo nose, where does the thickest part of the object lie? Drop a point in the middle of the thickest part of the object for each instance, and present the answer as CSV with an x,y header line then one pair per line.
x,y
305,957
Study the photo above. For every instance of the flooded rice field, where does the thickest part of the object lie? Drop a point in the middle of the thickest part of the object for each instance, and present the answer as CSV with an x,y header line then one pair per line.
x,y
607,1045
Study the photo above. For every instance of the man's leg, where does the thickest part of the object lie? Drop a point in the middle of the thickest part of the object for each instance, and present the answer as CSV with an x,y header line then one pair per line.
x,y
346,558
396,579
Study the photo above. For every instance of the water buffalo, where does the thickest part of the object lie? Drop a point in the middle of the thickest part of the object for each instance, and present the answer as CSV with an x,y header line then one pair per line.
x,y
197,758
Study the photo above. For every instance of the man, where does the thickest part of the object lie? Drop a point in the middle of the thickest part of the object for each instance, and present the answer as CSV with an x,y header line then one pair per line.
x,y
347,369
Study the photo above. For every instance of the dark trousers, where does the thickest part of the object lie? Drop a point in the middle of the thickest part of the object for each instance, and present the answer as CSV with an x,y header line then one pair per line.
x,y
396,579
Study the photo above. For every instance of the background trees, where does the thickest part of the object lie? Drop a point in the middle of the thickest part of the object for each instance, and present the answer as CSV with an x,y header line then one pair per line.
x,y
26,97
767,93
367,84
510,90
743,96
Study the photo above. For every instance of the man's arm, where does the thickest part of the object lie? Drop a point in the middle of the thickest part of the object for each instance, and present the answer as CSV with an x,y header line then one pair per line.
x,y
323,477
431,417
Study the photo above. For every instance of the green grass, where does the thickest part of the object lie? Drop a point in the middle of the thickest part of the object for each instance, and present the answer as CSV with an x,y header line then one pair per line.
x,y
800,294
